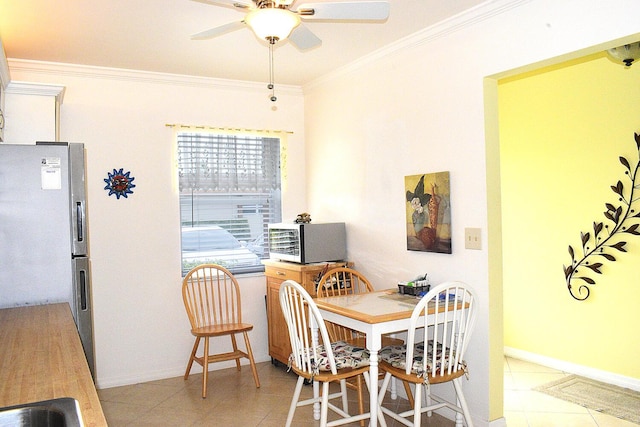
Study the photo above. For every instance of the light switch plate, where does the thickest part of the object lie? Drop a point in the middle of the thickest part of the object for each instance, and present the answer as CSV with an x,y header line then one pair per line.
x,y
472,238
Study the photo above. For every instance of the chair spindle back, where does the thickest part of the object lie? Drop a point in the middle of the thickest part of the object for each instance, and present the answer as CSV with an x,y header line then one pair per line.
x,y
342,281
211,296
448,331
297,305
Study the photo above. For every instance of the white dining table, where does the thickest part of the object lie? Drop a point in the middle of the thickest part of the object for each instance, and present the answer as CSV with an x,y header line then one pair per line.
x,y
374,314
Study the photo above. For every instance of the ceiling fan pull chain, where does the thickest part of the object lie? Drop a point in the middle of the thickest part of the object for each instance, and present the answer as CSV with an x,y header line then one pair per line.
x,y
271,86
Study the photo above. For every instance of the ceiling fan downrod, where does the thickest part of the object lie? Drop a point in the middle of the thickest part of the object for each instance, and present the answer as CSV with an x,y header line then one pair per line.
x,y
272,41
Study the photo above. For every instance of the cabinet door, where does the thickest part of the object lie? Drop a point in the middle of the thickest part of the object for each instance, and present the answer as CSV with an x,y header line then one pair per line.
x,y
1,108
279,345
276,273
34,112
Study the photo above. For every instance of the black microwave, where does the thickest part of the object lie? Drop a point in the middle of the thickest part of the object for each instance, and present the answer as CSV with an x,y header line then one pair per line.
x,y
308,243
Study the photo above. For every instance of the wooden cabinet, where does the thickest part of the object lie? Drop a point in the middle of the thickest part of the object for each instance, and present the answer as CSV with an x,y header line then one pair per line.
x,y
4,81
32,112
277,272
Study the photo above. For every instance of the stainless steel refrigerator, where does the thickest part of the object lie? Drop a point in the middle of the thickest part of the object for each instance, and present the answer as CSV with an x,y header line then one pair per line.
x,y
43,231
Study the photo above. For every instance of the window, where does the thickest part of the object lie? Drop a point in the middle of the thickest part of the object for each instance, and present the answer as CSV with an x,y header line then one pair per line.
x,y
229,192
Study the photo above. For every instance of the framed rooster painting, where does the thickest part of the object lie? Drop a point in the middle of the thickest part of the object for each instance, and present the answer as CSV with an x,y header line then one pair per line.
x,y
428,212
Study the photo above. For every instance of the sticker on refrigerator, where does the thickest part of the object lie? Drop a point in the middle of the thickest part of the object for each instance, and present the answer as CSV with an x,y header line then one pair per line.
x,y
51,173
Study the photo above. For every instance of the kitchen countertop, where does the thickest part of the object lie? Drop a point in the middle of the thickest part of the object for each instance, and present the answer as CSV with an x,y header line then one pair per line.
x,y
41,358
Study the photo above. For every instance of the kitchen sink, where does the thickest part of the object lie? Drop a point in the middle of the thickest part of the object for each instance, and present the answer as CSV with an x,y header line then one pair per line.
x,y
62,412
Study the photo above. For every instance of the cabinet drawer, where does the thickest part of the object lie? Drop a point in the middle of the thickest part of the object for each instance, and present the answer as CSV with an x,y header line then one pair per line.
x,y
283,274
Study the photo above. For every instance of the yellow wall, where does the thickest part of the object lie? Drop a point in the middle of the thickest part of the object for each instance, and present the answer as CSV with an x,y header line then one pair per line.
x,y
562,130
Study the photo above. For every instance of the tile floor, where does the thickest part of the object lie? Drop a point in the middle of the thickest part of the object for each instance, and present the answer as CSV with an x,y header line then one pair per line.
x,y
524,407
233,400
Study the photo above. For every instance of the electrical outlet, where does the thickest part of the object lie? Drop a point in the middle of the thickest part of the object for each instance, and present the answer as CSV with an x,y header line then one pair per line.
x,y
472,238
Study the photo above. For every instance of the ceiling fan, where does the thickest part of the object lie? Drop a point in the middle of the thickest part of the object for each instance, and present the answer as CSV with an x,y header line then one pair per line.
x,y
275,20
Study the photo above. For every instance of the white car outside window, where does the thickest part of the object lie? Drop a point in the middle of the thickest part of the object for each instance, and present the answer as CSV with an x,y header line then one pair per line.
x,y
214,245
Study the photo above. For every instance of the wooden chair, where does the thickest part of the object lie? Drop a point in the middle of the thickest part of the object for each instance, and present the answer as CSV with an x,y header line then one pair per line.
x,y
325,363
347,281
343,281
448,331
211,297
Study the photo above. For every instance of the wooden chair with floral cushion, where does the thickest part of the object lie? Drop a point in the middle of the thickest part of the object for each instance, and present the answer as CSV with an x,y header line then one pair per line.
x,y
448,332
325,363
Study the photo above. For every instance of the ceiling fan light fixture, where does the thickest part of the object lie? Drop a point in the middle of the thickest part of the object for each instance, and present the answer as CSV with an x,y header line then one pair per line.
x,y
272,23
626,54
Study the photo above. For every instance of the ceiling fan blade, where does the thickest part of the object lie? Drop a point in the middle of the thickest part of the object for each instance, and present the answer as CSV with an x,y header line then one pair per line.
x,y
218,31
239,4
358,11
302,38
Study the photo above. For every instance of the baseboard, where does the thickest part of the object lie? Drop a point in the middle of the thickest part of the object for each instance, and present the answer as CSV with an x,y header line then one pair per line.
x,y
584,371
450,415
500,422
176,371
102,383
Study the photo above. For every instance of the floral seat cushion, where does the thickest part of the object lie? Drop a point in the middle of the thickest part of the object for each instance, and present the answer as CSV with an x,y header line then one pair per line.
x,y
345,355
396,356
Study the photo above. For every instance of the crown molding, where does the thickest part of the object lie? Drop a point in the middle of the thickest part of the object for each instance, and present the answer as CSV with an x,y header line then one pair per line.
x,y
26,88
95,72
445,27
465,19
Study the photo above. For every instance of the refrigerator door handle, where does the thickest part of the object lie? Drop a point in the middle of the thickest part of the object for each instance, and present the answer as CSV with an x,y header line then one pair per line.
x,y
83,290
78,204
80,221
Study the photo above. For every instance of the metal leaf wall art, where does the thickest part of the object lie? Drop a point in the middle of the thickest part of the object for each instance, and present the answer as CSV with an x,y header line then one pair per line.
x,y
606,238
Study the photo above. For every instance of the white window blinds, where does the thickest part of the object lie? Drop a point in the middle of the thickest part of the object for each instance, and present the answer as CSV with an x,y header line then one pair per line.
x,y
228,163
229,184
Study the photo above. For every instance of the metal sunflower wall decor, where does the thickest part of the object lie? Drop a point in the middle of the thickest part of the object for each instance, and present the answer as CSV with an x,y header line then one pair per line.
x,y
605,239
119,183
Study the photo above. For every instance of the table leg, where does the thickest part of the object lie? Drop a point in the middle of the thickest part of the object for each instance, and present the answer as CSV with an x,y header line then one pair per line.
x,y
374,341
373,387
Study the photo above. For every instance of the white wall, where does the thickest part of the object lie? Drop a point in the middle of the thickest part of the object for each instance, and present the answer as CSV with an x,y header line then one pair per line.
x,y
141,329
418,106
